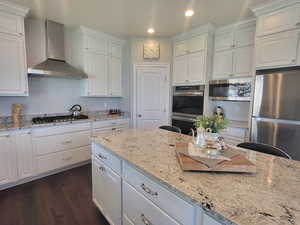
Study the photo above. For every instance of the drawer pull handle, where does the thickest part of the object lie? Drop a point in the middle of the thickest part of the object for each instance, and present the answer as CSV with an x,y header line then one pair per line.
x,y
148,190
101,156
145,220
66,142
101,168
67,159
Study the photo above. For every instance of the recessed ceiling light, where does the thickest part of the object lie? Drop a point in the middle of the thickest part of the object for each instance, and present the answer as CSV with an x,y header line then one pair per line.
x,y
151,30
189,13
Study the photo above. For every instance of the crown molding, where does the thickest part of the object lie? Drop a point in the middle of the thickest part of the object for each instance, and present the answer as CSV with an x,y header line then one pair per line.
x,y
271,6
204,29
13,8
231,27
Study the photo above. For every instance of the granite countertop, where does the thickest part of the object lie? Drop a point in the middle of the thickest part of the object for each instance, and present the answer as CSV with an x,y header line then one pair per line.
x,y
269,197
7,125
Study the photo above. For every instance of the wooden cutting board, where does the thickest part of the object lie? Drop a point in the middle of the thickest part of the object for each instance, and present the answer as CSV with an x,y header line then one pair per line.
x,y
239,162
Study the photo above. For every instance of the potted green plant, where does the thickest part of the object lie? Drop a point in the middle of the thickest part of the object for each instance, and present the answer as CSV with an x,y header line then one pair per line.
x,y
212,124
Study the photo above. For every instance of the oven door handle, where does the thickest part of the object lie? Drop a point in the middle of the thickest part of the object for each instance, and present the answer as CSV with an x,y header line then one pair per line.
x,y
184,119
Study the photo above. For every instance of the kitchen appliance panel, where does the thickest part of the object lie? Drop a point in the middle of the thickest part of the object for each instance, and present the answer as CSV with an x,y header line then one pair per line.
x,y
279,133
277,95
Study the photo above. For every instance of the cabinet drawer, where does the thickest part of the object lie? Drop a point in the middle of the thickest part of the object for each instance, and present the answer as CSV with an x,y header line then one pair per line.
x,y
197,44
111,123
144,211
60,129
55,143
100,131
76,155
169,202
58,160
109,159
11,24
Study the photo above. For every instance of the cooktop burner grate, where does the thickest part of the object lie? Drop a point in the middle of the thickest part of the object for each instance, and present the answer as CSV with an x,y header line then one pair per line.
x,y
56,119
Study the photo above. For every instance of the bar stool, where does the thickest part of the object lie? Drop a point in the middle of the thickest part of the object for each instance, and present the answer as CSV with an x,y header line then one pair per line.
x,y
170,128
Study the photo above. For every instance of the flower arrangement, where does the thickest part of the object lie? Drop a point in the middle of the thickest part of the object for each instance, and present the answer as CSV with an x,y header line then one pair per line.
x,y
215,122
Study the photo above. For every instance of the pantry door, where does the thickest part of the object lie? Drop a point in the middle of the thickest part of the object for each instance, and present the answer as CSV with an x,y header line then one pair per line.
x,y
152,95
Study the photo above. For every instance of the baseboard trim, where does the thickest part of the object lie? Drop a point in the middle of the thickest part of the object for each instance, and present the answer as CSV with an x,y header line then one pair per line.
x,y
29,179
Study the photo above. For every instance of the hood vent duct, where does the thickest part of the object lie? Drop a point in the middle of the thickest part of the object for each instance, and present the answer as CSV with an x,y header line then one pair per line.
x,y
55,65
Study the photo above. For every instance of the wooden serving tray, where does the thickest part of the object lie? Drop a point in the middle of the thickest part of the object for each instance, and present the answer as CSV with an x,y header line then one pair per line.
x,y
239,161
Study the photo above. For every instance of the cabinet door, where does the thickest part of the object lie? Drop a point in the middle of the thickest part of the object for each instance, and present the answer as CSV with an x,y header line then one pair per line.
x,y
11,24
197,67
180,69
196,44
281,20
243,61
209,221
7,167
277,50
180,48
224,41
115,76
107,192
97,71
223,64
244,36
13,74
25,156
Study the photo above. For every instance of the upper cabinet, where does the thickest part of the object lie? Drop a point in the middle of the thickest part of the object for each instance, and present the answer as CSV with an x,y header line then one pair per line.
x,y
277,34
13,67
100,56
192,56
234,50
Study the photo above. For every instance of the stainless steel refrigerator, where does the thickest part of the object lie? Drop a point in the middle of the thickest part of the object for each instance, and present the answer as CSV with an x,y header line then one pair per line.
x,y
276,110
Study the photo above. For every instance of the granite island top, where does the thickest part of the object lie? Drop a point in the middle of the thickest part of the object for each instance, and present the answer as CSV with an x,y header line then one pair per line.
x,y
269,197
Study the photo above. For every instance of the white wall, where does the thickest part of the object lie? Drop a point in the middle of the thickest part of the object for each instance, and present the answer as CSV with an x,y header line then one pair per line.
x,y
233,110
55,95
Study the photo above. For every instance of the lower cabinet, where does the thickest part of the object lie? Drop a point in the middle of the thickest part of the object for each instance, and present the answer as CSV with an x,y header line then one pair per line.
x,y
8,168
107,192
143,211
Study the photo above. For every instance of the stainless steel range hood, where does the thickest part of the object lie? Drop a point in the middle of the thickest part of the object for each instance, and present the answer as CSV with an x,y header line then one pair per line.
x,y
55,65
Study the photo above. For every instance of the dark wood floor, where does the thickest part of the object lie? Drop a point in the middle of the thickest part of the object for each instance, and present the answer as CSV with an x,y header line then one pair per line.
x,y
61,199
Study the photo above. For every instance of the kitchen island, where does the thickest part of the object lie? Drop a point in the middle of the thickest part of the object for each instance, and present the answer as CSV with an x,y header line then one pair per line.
x,y
269,197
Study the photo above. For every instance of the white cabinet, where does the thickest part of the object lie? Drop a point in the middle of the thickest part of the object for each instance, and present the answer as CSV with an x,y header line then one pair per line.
x,y
180,69
13,68
8,168
143,211
13,72
100,56
277,50
234,46
243,61
96,66
223,61
209,221
107,192
25,155
115,76
284,19
191,62
197,67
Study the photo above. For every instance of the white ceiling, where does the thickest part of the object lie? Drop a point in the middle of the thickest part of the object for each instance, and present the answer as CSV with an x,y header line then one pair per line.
x,y
127,18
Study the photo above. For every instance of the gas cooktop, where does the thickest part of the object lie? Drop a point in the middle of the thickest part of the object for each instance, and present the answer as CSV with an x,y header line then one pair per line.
x,y
57,119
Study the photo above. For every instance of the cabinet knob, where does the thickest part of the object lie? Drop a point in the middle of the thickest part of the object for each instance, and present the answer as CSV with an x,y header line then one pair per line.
x,y
101,168
293,60
139,115
186,80
232,46
297,24
20,34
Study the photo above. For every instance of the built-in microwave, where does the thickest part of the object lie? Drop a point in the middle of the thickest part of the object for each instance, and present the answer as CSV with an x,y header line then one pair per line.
x,y
230,90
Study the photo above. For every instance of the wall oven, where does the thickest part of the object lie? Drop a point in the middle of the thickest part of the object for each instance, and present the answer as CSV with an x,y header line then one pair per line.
x,y
188,103
230,90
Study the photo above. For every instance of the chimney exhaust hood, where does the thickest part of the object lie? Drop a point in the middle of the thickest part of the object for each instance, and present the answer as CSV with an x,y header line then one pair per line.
x,y
55,65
